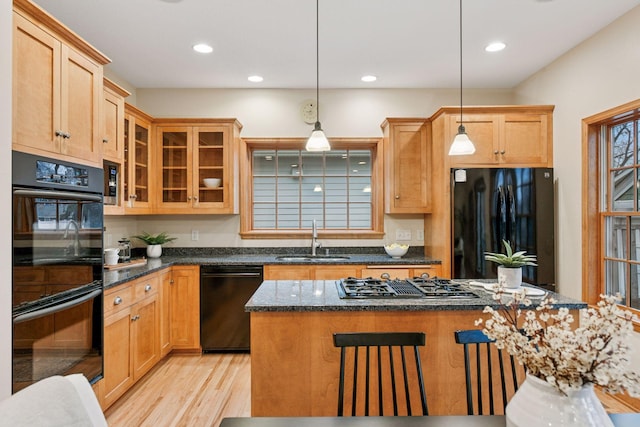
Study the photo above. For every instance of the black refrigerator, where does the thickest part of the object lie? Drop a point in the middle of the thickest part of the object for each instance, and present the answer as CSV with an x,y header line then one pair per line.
x,y
514,204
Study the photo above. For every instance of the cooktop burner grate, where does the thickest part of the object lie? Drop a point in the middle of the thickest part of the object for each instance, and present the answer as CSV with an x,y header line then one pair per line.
x,y
418,287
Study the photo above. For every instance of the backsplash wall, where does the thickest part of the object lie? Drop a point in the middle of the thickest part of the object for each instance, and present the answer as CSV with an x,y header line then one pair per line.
x,y
222,231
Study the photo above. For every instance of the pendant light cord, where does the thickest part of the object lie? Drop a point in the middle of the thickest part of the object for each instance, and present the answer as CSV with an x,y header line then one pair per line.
x,y
460,62
317,62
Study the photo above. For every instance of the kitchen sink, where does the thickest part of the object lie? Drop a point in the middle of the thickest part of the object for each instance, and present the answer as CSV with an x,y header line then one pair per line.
x,y
309,258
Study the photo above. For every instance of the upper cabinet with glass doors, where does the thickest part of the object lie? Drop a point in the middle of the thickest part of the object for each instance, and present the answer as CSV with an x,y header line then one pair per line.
x,y
197,166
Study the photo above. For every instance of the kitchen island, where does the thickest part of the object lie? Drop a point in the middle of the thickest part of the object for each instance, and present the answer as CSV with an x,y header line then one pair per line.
x,y
294,365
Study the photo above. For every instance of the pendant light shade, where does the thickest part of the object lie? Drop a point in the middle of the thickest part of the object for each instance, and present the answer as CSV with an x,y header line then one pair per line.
x,y
318,140
461,145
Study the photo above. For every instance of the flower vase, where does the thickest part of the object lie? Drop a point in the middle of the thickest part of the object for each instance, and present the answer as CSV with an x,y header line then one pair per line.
x,y
154,251
509,277
538,403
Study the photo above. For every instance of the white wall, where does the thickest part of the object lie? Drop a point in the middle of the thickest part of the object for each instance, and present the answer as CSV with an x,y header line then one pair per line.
x,y
599,74
5,196
276,113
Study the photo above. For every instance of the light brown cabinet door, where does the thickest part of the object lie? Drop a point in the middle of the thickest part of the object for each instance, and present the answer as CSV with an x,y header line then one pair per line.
x,y
36,87
526,139
112,124
484,132
335,272
144,336
118,363
81,92
407,166
166,281
288,272
185,308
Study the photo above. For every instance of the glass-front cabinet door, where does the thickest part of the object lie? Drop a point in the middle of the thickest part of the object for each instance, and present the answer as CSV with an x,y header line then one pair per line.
x,y
197,167
175,146
208,175
137,157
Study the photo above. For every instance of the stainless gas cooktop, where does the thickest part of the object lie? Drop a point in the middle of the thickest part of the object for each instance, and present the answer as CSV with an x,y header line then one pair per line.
x,y
418,287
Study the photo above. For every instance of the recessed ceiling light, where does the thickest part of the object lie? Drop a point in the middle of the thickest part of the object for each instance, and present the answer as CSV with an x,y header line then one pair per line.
x,y
202,48
368,78
495,47
255,79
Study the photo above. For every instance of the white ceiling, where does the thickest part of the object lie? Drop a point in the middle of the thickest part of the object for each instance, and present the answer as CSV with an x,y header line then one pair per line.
x,y
405,43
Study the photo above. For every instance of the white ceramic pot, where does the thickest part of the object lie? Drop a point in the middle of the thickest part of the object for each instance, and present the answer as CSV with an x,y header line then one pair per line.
x,y
537,403
154,251
509,277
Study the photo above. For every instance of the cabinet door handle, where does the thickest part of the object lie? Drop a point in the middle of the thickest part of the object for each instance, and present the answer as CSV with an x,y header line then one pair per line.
x,y
502,152
136,317
188,198
59,133
385,276
495,152
147,288
66,135
195,198
117,301
171,282
105,140
397,196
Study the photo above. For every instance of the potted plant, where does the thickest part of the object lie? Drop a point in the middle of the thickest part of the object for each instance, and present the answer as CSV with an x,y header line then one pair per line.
x,y
510,265
154,243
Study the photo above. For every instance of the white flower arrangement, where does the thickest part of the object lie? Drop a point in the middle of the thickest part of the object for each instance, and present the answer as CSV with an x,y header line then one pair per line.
x,y
567,358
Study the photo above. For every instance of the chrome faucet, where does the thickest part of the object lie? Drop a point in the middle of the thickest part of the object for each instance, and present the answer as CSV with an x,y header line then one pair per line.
x,y
76,236
314,238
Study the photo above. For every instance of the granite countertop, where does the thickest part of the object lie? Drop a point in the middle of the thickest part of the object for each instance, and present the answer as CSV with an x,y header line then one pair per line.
x,y
322,295
115,277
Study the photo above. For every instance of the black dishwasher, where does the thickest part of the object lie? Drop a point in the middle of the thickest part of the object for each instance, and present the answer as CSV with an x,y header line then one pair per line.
x,y
224,290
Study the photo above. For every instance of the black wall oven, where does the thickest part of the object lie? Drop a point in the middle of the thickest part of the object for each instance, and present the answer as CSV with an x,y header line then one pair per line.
x,y
57,269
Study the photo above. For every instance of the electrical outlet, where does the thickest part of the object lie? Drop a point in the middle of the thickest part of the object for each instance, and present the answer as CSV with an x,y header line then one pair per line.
x,y
195,235
403,234
420,235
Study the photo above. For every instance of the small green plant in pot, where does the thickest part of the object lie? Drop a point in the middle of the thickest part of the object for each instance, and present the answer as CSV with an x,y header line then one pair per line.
x,y
154,242
510,265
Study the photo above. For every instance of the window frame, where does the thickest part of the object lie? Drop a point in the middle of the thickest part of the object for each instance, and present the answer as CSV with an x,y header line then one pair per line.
x,y
595,185
248,145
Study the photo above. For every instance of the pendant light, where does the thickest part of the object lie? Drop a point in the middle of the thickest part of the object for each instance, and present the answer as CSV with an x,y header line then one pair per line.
x,y
462,145
317,141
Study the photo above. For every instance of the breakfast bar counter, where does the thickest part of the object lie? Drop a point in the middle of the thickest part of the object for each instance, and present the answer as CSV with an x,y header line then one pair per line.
x,y
295,366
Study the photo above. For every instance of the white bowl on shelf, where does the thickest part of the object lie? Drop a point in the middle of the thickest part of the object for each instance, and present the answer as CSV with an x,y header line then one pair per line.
x,y
212,182
395,250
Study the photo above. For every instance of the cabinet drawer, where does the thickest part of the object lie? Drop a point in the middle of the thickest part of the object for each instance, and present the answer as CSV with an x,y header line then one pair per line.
x,y
145,288
378,272
118,299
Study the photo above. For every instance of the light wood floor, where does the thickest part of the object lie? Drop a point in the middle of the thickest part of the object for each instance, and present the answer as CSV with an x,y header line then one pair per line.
x,y
187,390
200,390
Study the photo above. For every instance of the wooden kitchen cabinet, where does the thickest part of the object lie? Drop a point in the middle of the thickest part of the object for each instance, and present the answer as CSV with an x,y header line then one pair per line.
x,y
164,296
57,89
189,151
401,271
407,165
516,136
138,183
310,272
185,308
131,334
113,121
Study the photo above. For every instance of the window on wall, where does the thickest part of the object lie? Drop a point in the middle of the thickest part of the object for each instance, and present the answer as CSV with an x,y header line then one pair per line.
x,y
289,187
619,154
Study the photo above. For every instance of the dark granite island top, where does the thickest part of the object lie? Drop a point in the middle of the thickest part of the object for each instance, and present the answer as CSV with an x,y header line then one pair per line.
x,y
322,295
295,365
